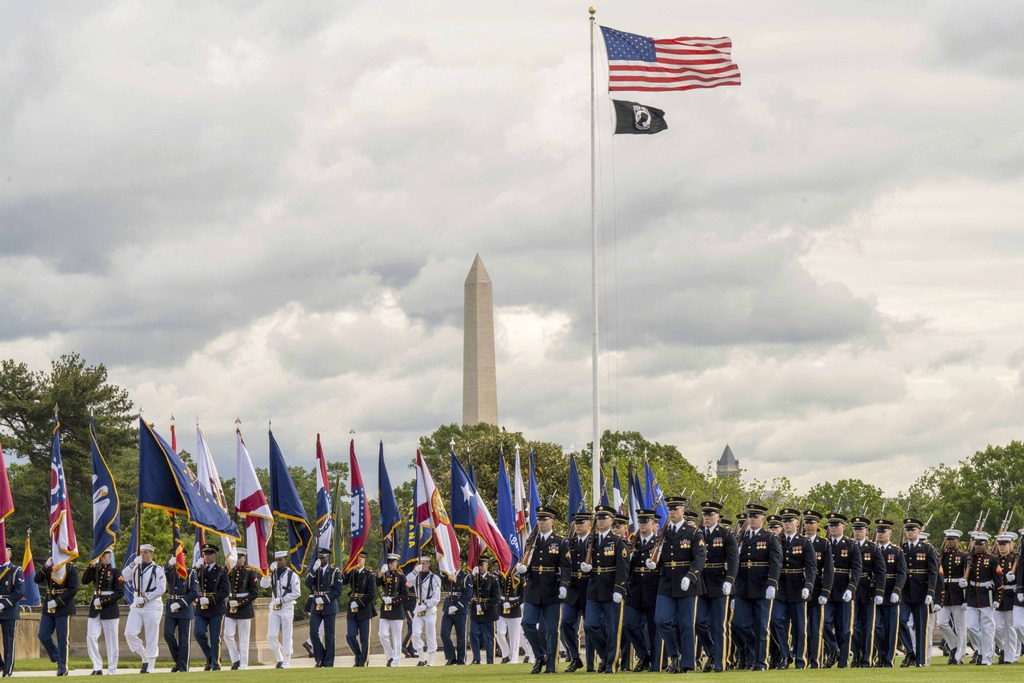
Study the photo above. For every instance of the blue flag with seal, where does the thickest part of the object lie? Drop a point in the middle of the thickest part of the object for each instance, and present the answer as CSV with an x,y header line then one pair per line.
x,y
507,512
165,483
106,504
576,502
534,493
390,517
652,494
286,504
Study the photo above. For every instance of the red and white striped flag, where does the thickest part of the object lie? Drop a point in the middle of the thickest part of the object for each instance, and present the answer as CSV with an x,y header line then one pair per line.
x,y
430,513
640,63
251,504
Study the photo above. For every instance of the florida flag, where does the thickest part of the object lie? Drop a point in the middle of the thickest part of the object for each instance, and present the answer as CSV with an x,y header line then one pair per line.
x,y
469,512
62,530
430,513
359,527
251,504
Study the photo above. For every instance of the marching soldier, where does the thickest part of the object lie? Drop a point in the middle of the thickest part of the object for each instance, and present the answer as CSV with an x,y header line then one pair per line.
x,y
284,587
362,585
60,605
104,612
392,587
888,593
509,628
872,577
574,604
483,611
847,562
678,557
213,597
1006,635
12,590
717,580
242,582
608,566
982,583
918,594
642,597
757,579
789,613
456,610
950,621
149,584
824,577
425,587
542,562
325,586
179,613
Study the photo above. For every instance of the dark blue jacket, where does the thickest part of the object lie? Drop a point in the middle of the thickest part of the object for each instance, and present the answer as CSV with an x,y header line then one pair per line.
x,y
182,591
12,590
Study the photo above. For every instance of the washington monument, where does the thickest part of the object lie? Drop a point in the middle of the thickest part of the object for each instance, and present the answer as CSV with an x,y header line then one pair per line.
x,y
479,384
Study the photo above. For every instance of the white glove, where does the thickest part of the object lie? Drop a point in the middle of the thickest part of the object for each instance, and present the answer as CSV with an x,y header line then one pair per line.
x,y
453,609
507,605
894,598
822,600
234,603
995,604
847,595
95,603
726,588
987,584
1010,577
319,600
383,569
936,607
928,600
49,562
769,593
418,568
174,606
276,602
387,599
171,562
52,604
420,611
562,593
650,564
521,569
878,599
1020,597
617,597
198,563
140,602
316,565
265,582
137,561
205,602
3,606
585,568
805,593
685,583
962,583
476,570
353,605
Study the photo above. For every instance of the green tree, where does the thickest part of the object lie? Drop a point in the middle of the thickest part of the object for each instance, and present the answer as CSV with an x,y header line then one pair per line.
x,y
850,496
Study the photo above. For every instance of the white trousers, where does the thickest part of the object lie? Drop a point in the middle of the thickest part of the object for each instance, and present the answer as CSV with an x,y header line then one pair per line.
x,y
236,635
1006,637
425,625
147,618
109,628
981,626
508,634
955,633
1018,622
390,633
279,634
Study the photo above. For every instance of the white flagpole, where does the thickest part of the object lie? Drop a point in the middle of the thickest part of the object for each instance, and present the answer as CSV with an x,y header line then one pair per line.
x,y
596,450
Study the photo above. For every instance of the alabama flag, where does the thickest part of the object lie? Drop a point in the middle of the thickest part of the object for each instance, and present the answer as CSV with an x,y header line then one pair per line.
x,y
430,513
252,505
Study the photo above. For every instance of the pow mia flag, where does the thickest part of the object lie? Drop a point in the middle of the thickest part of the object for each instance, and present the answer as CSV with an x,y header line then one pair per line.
x,y
638,119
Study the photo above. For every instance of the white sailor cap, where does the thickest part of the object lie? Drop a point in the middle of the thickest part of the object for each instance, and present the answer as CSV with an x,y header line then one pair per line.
x,y
953,533
146,546
426,558
241,551
280,554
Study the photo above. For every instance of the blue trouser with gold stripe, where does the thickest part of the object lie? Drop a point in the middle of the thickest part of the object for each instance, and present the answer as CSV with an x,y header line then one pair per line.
x,y
837,635
675,619
888,621
751,619
602,623
711,628
787,616
58,652
540,626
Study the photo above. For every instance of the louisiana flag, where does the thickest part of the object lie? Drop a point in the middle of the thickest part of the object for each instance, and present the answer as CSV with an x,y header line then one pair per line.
x,y
633,118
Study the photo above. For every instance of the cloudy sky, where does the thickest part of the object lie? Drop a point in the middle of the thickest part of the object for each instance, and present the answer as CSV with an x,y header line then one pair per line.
x,y
268,209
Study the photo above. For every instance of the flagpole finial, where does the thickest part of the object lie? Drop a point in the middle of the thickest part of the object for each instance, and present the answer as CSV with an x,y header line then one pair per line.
x,y
452,443
572,448
351,431
172,419
56,412
593,11
517,449
270,423
142,410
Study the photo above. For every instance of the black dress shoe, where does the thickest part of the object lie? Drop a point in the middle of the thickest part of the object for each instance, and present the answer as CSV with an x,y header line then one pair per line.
x,y
907,661
174,669
709,666
642,664
537,666
422,663
235,665
145,668
505,660
207,667
62,673
574,665
279,665
309,649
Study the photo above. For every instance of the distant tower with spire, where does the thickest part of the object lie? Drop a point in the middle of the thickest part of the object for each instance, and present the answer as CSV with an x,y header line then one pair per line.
x,y
479,381
728,465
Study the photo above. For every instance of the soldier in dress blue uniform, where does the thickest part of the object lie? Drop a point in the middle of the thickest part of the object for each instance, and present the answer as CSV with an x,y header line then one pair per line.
x,y
540,568
717,580
179,613
918,595
757,579
950,622
58,607
824,577
607,564
982,584
456,611
872,576
211,606
887,594
642,596
12,590
362,587
483,611
325,586
846,560
574,603
789,613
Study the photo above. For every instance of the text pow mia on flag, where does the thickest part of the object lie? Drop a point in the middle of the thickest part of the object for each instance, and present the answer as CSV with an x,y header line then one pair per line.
x,y
638,119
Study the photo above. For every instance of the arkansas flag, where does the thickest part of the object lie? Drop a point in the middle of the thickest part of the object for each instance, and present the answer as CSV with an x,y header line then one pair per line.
x,y
469,512
430,513
64,546
359,527
252,505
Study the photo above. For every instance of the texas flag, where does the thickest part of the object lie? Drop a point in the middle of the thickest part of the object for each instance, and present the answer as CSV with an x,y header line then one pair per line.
x,y
359,528
469,512
251,504
430,513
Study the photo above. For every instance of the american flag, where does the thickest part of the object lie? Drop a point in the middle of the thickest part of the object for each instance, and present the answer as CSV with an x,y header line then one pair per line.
x,y
640,63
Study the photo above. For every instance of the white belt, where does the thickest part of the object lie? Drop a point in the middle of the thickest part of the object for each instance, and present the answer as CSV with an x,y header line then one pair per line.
x,y
106,592
242,595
